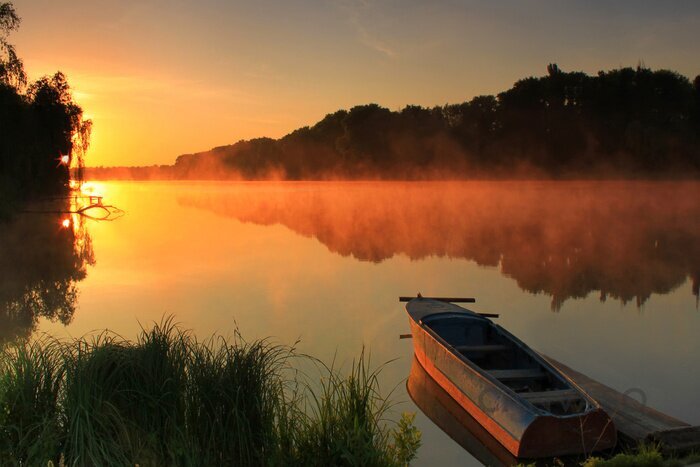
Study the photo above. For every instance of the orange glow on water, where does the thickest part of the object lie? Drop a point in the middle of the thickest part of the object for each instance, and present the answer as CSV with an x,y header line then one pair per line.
x,y
92,189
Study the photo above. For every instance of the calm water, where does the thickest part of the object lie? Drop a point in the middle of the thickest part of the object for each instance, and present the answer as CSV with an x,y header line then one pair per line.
x,y
601,276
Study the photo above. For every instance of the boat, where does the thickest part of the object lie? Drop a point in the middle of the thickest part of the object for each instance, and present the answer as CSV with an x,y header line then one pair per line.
x,y
525,403
454,421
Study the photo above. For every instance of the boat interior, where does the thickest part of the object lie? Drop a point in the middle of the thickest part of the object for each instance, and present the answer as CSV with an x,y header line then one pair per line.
x,y
486,346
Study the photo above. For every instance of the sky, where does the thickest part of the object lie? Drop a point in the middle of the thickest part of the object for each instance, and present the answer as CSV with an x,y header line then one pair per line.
x,y
163,78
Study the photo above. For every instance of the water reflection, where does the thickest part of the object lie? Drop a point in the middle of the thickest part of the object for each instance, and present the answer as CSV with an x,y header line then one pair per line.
x,y
42,259
451,418
624,240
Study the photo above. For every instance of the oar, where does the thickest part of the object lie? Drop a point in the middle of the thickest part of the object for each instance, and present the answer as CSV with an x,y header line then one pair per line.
x,y
450,300
441,299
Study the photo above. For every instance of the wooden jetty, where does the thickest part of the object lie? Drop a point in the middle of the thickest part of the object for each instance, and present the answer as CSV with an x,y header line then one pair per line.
x,y
520,398
636,422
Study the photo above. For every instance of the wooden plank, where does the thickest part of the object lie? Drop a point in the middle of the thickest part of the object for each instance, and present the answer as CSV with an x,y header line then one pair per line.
x,y
557,395
685,439
442,299
481,348
636,422
518,373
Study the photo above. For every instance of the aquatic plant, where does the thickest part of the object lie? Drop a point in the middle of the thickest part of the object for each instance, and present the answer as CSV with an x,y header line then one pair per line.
x,y
234,400
645,455
169,399
344,424
31,375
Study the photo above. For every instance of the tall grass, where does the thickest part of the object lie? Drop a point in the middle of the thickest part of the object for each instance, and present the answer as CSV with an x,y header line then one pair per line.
x,y
344,422
644,455
234,399
31,375
169,399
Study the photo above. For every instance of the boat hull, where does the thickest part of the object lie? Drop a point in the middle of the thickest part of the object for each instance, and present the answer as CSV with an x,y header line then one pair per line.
x,y
521,429
456,422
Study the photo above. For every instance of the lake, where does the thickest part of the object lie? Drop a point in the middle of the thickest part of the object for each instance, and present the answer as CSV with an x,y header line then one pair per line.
x,y
602,276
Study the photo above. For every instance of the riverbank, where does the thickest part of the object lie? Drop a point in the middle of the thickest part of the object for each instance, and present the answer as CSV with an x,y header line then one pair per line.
x,y
643,456
170,399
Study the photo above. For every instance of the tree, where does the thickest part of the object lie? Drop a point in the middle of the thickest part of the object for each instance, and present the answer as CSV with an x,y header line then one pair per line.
x,y
11,66
40,125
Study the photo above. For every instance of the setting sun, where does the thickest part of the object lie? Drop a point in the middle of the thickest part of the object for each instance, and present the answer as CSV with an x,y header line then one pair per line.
x,y
237,203
241,72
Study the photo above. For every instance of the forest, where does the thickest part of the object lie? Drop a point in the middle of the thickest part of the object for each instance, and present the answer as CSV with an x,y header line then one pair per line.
x,y
623,123
42,131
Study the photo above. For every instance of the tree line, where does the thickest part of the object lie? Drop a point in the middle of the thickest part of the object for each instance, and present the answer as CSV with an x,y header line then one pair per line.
x,y
42,130
627,122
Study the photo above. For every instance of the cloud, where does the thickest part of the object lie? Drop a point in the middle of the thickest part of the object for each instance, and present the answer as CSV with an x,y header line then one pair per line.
x,y
357,11
374,43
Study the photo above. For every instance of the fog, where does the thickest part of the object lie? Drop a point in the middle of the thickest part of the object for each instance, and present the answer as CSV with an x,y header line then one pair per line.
x,y
623,240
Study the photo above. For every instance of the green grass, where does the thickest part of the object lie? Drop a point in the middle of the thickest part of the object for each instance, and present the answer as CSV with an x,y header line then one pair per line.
x,y
31,377
646,455
169,399
345,423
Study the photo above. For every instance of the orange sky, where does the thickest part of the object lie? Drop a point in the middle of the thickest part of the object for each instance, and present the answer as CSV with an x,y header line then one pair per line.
x,y
162,78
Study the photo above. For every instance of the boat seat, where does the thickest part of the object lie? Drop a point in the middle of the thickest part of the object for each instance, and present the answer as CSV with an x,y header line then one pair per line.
x,y
545,397
520,373
481,348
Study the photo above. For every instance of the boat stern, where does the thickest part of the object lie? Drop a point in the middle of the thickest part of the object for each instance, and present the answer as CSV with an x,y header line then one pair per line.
x,y
549,436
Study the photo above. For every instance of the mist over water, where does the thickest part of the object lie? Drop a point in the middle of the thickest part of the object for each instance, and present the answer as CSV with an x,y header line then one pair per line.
x,y
624,240
322,264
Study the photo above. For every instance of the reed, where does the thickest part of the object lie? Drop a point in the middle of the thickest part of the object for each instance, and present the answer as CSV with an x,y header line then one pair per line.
x,y
169,399
123,400
233,401
31,375
344,422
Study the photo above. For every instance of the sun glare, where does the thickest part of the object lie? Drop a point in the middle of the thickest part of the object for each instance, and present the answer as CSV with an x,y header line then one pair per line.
x,y
65,223
65,160
92,189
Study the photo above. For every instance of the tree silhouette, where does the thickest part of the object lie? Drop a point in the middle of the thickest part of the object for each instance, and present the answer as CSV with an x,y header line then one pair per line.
x,y
11,67
40,124
626,122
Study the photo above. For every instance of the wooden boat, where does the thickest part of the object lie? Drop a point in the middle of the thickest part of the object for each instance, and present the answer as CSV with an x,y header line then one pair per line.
x,y
530,407
454,421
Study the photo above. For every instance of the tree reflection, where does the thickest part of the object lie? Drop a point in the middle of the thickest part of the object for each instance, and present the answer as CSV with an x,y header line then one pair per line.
x,y
623,240
41,260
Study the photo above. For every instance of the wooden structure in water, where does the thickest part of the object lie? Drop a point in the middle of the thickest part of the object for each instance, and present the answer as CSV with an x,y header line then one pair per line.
x,y
636,422
517,396
452,419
